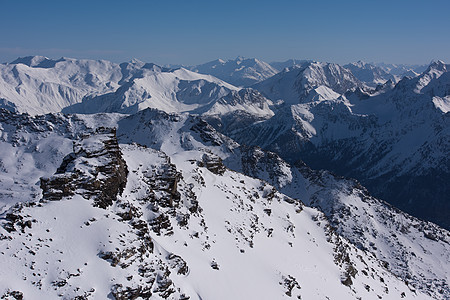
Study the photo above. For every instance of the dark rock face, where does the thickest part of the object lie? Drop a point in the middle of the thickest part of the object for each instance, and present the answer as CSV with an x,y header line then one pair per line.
x,y
95,169
214,164
18,295
206,132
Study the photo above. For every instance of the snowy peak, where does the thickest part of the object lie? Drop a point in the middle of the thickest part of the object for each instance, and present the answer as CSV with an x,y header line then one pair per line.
x,y
402,70
390,138
369,74
245,100
427,80
330,75
436,68
37,61
280,66
296,84
240,72
43,86
150,86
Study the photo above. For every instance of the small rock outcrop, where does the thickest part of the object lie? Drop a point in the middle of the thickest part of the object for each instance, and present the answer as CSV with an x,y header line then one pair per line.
x,y
95,170
213,163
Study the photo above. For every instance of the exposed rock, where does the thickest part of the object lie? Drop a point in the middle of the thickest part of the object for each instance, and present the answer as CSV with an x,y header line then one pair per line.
x,y
127,293
214,164
95,170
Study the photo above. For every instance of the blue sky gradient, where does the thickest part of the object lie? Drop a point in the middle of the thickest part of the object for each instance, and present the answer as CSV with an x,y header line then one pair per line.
x,y
197,31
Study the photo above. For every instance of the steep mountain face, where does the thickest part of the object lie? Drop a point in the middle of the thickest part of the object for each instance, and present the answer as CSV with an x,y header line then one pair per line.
x,y
369,74
310,82
239,72
178,225
395,142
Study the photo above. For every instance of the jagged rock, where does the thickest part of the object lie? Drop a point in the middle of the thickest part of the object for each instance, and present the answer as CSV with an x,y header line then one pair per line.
x,y
127,293
161,225
18,295
95,169
176,262
289,282
214,164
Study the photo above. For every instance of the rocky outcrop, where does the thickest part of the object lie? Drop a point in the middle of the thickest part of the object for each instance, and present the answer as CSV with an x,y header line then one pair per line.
x,y
213,163
95,169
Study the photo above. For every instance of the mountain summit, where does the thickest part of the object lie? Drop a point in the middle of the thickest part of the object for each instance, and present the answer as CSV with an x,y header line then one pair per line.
x,y
240,71
314,80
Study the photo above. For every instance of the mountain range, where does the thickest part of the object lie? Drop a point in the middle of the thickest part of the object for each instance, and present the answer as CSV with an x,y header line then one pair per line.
x,y
232,179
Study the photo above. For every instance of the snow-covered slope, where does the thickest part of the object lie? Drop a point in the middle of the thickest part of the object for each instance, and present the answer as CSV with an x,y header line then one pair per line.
x,y
407,245
395,142
169,90
239,72
121,220
39,85
309,82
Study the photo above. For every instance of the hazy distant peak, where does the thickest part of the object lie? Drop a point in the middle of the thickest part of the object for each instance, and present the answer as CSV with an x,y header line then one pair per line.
x,y
136,61
240,71
37,61
437,65
29,60
289,64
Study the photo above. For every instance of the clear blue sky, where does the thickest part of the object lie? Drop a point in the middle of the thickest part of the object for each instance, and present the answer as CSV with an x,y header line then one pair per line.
x,y
195,31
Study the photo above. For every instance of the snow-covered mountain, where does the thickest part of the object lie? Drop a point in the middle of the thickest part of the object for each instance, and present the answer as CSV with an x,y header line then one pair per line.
x,y
395,142
239,72
39,85
309,82
370,74
149,210
170,90
281,65
402,70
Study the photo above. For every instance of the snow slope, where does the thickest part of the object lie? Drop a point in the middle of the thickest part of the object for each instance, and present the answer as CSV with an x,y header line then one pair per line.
x,y
183,225
38,85
169,90
394,141
407,245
